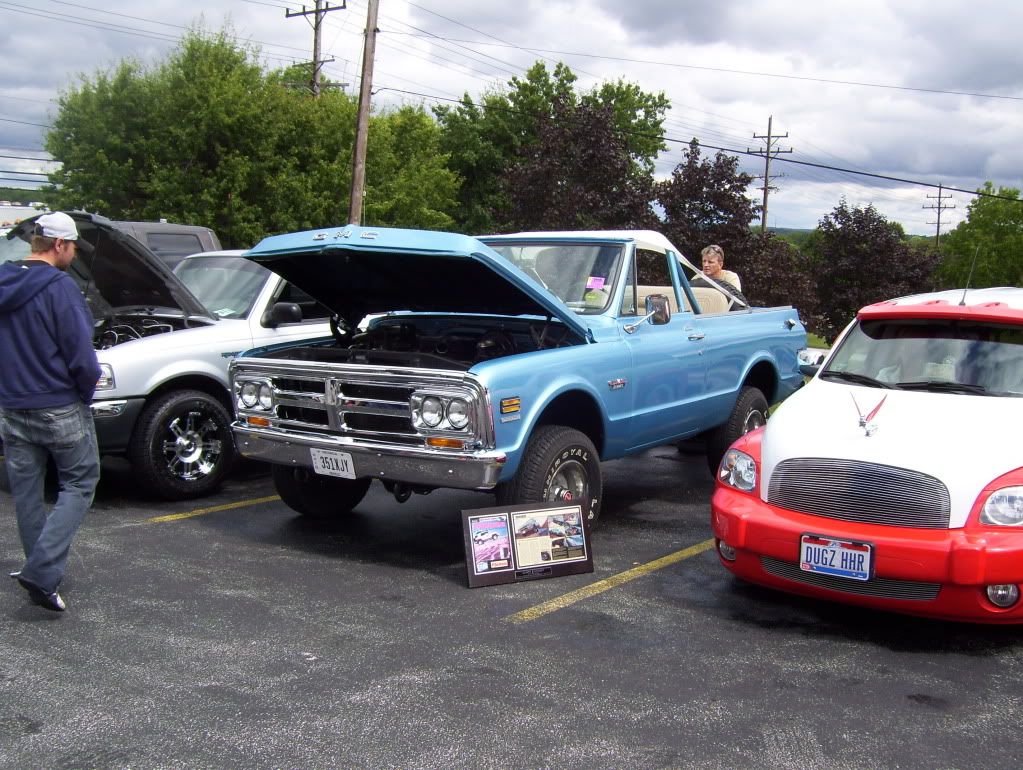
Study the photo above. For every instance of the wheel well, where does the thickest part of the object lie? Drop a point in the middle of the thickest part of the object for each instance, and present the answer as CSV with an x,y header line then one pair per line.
x,y
195,382
576,410
763,377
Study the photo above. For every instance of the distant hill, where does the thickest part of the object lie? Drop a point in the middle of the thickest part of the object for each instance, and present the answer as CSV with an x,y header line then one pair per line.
x,y
22,195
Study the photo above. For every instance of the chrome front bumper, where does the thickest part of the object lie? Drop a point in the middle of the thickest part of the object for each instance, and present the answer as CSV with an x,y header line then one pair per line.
x,y
429,467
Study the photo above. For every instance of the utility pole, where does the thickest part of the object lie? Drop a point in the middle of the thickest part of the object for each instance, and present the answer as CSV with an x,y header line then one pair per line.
x,y
318,14
362,126
939,207
768,151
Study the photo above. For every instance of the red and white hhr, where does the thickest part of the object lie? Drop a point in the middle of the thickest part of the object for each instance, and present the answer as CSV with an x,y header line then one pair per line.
x,y
894,478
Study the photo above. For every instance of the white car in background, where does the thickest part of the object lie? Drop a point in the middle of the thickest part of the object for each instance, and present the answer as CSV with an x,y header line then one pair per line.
x,y
164,341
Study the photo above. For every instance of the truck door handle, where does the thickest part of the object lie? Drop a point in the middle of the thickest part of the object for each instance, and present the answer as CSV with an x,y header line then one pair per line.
x,y
695,336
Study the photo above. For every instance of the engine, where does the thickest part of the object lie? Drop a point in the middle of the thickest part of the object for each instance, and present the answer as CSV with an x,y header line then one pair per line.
x,y
438,342
117,330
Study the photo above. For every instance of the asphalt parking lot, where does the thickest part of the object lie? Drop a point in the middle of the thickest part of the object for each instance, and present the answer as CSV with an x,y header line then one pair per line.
x,y
229,632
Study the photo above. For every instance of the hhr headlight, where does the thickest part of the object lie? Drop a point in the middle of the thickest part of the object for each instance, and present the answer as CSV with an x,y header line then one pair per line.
x,y
738,470
1004,508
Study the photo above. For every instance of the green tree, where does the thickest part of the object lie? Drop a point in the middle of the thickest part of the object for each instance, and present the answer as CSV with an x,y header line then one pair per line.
x,y
207,137
777,273
578,174
993,232
862,258
705,202
408,182
485,138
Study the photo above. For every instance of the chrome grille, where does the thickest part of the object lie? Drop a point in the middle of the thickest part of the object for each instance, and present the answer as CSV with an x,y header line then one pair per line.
x,y
857,491
364,403
885,588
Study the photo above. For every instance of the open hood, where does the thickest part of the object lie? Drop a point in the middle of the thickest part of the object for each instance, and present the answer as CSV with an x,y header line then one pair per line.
x,y
120,274
358,271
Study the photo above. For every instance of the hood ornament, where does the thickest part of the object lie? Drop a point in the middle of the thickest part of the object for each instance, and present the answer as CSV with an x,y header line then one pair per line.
x,y
869,428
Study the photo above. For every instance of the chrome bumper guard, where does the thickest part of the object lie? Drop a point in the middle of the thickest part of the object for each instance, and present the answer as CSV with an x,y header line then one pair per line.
x,y
429,467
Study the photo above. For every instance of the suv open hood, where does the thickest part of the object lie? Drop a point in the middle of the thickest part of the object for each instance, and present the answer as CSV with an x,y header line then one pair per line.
x,y
121,273
358,271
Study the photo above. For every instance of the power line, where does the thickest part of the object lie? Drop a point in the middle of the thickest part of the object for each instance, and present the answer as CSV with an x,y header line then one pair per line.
x,y
734,151
26,157
862,84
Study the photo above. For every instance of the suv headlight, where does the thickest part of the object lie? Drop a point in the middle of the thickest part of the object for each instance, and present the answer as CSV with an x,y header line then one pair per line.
x,y
249,394
106,379
1004,508
439,411
254,394
458,413
738,470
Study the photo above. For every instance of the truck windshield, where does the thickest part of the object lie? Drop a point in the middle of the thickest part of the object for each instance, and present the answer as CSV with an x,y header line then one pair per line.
x,y
948,356
582,275
227,286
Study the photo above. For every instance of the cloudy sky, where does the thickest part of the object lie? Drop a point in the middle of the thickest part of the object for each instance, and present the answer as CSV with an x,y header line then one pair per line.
x,y
925,91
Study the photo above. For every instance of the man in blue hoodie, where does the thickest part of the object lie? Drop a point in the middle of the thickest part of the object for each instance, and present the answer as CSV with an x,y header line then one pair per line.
x,y
47,381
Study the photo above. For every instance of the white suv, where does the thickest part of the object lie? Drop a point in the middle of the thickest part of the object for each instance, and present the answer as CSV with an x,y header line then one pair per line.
x,y
164,341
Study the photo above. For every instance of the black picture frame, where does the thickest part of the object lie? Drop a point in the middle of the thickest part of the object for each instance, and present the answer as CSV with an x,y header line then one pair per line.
x,y
510,544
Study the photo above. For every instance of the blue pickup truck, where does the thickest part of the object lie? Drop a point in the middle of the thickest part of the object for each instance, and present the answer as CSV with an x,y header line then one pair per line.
x,y
513,363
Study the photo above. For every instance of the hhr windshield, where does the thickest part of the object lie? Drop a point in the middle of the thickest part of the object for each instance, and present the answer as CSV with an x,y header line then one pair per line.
x,y
928,354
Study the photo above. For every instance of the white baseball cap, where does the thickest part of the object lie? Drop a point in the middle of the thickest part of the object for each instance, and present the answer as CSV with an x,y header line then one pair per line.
x,y
57,224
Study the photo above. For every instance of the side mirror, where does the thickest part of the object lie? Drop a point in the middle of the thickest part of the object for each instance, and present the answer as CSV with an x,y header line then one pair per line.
x,y
658,309
281,313
809,370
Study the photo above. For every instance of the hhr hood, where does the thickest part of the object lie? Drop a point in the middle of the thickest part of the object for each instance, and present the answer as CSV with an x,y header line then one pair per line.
x,y
359,271
964,441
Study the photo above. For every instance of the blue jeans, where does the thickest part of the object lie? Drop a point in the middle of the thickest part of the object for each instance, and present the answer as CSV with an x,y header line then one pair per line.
x,y
68,434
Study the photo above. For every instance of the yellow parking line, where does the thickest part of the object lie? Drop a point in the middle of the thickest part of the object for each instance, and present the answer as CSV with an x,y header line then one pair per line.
x,y
214,509
532,613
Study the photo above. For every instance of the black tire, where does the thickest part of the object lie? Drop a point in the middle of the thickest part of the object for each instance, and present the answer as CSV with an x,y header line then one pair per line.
x,y
316,496
560,465
749,412
182,445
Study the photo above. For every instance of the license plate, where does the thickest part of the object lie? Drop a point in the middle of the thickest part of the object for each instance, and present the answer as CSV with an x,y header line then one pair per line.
x,y
831,556
329,463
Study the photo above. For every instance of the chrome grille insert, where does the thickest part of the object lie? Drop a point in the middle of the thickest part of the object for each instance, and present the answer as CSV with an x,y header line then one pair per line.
x,y
884,588
850,490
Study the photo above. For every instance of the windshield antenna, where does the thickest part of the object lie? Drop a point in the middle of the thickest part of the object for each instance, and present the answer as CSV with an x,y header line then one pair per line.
x,y
962,302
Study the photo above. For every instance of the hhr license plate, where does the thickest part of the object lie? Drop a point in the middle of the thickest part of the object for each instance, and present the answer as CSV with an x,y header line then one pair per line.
x,y
830,556
329,463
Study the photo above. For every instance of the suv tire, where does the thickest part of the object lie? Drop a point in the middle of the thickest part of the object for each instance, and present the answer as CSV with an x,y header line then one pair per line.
x,y
182,446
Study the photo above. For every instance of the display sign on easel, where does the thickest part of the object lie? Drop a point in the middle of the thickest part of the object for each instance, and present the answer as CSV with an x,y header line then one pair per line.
x,y
525,542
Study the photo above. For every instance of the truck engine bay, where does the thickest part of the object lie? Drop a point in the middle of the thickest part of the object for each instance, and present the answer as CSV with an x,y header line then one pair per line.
x,y
437,341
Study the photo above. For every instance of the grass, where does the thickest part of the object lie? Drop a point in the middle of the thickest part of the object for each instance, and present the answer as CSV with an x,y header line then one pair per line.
x,y
813,341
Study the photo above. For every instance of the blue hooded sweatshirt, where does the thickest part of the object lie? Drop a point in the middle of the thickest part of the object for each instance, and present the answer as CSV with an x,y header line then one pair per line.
x,y
46,353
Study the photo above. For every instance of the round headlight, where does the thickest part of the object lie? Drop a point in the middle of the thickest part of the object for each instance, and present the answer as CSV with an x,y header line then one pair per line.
x,y
432,410
249,394
1004,507
458,413
738,470
266,396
